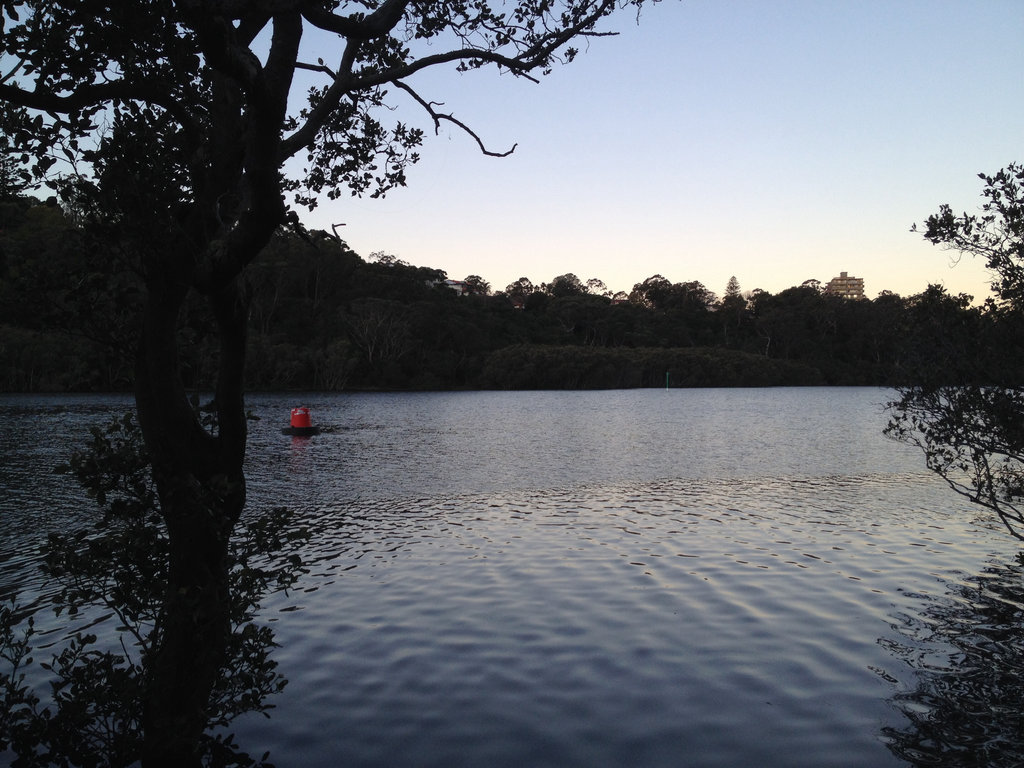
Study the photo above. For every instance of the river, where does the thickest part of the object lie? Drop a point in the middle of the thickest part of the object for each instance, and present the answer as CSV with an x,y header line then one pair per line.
x,y
723,577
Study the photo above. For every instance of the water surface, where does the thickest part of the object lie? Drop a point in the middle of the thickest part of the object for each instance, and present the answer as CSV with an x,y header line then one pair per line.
x,y
644,578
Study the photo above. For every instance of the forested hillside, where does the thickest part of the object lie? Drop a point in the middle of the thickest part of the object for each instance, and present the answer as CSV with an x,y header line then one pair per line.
x,y
321,317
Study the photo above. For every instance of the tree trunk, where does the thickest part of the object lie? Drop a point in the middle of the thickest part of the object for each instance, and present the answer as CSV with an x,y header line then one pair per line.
x,y
202,492
195,625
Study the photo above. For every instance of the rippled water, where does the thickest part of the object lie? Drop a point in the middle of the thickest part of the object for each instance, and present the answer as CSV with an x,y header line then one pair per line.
x,y
643,578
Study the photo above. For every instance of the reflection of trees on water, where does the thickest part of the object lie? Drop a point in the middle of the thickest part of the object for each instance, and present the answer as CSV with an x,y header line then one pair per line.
x,y
967,652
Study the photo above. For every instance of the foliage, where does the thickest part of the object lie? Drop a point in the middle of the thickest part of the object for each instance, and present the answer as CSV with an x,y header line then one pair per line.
x,y
996,235
119,567
477,286
972,437
732,288
520,289
967,412
565,285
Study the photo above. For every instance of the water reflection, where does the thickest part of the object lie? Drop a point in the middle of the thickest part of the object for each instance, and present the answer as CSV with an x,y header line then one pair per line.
x,y
966,649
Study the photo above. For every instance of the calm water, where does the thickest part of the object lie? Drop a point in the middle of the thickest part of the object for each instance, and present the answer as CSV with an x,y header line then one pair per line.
x,y
643,578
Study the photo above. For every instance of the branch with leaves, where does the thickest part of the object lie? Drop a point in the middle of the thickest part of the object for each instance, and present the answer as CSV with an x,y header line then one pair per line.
x,y
970,429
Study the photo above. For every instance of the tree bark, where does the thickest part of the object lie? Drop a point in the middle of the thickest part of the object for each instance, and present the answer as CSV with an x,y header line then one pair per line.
x,y
202,491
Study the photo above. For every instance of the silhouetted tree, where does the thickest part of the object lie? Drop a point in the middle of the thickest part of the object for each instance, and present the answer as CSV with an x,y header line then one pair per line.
x,y
732,288
386,259
181,119
967,415
520,289
477,286
732,312
652,293
565,285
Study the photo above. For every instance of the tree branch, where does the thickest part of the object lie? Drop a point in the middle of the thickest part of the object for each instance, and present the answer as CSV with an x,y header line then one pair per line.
x,y
13,72
306,134
321,68
345,81
521,64
219,43
262,202
83,97
437,117
377,24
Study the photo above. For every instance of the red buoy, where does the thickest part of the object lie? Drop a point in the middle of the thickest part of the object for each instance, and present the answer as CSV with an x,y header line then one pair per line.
x,y
301,419
301,424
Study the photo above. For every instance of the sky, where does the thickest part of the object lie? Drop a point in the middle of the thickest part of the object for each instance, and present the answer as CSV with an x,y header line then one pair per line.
x,y
773,141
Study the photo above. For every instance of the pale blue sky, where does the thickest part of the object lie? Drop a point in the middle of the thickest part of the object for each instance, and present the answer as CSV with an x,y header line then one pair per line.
x,y
774,141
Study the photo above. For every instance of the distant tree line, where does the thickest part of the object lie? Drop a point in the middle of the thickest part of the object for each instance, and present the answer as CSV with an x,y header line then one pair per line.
x,y
321,317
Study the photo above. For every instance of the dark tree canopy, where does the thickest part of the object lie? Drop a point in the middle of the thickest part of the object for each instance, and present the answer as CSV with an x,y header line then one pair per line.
x,y
565,285
477,286
307,300
520,289
996,235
